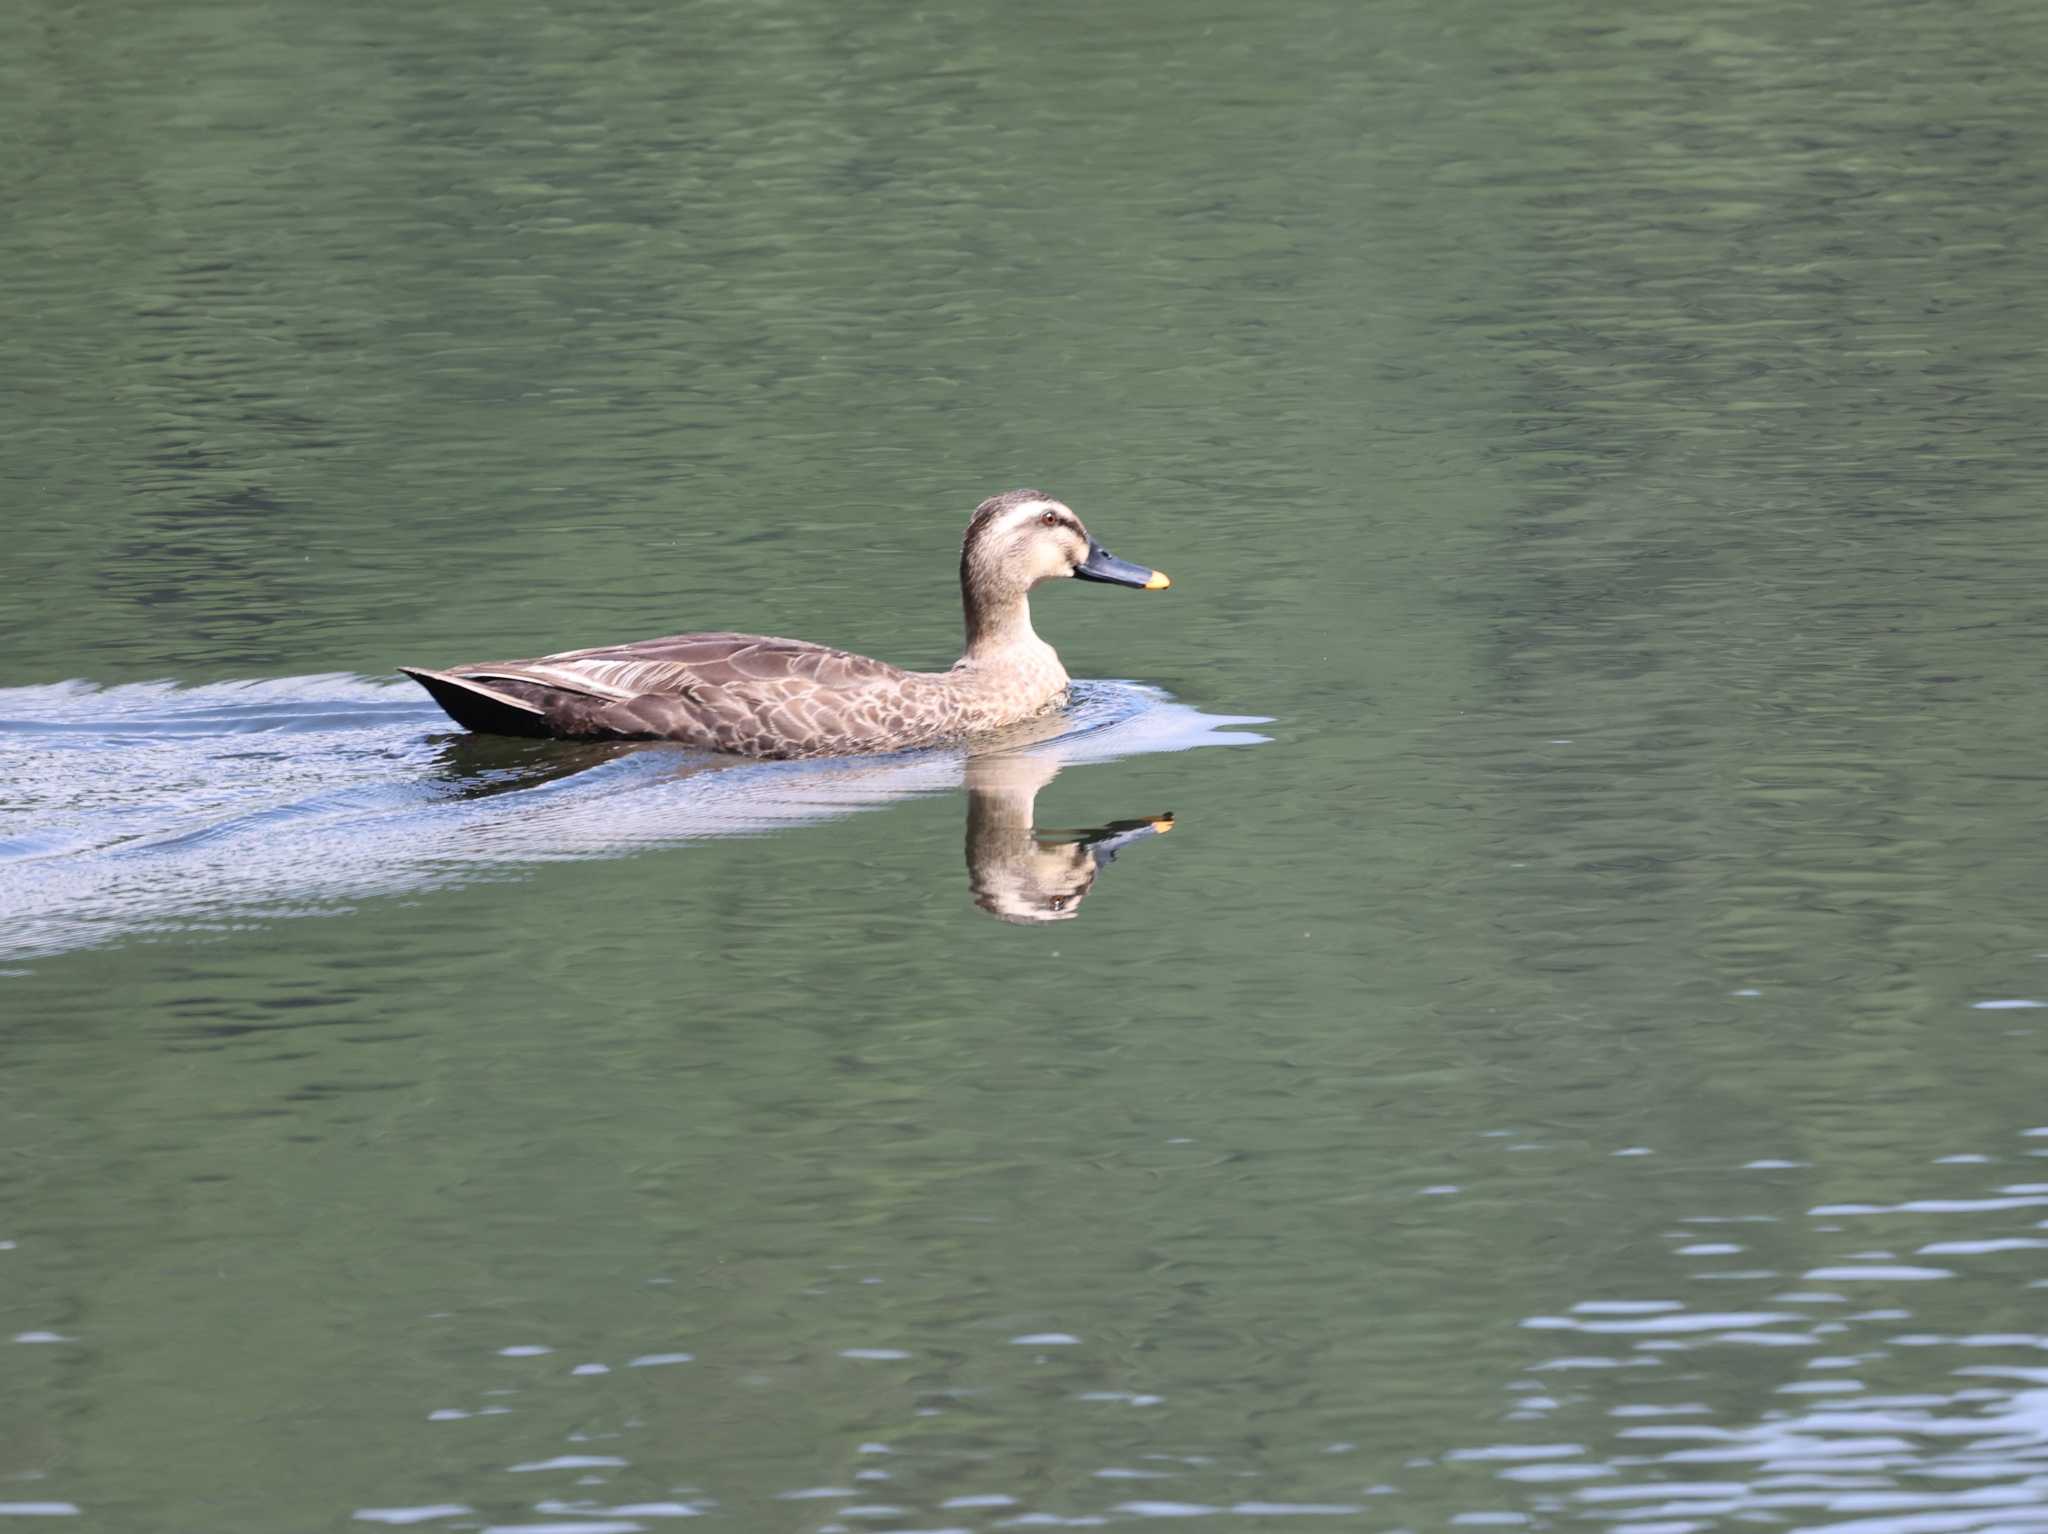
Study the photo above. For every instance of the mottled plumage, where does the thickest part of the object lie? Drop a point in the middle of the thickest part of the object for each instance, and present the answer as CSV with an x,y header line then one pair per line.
x,y
753,695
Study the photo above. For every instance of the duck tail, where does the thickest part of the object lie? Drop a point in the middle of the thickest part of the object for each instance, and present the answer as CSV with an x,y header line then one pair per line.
x,y
477,707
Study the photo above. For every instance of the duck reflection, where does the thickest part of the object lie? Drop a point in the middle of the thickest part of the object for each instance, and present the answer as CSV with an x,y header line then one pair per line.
x,y
1016,871
1019,873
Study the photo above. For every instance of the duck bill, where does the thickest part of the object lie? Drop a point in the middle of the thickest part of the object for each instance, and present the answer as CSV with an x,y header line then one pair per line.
x,y
1101,565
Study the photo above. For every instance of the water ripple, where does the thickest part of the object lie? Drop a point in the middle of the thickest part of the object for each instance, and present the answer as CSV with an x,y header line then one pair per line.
x,y
148,807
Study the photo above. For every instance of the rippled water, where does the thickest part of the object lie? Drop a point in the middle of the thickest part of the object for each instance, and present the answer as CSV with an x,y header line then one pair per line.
x,y
153,809
1574,1063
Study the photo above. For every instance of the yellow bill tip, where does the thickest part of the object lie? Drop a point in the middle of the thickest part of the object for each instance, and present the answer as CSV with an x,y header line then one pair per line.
x,y
1162,824
1159,582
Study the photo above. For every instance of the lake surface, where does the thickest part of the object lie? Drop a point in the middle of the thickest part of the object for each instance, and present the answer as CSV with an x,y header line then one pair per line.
x,y
1519,985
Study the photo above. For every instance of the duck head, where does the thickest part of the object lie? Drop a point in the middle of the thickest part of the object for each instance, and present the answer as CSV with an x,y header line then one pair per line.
x,y
1022,537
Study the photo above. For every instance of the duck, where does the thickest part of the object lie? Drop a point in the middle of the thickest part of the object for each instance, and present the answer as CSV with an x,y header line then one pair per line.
x,y
757,695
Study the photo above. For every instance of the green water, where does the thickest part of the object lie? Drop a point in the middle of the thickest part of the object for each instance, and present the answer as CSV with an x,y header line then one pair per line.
x,y
1580,1069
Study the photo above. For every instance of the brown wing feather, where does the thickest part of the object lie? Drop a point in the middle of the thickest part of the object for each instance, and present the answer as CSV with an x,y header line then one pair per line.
x,y
721,660
752,693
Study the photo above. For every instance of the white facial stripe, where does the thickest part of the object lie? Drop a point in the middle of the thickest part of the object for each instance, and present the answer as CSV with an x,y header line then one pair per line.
x,y
1022,516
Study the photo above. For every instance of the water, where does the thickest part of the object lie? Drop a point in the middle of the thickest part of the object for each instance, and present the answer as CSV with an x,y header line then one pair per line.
x,y
1570,1060
150,809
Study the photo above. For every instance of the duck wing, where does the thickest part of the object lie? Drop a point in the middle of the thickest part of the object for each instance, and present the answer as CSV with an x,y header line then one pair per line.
x,y
754,694
684,661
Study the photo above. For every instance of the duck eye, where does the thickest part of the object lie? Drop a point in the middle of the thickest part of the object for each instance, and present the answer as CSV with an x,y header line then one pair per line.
x,y
1051,519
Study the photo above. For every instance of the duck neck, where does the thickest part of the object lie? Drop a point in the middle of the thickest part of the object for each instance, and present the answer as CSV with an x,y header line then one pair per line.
x,y
998,626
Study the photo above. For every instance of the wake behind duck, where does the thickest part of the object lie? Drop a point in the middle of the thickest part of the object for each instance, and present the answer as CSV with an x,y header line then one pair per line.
x,y
149,808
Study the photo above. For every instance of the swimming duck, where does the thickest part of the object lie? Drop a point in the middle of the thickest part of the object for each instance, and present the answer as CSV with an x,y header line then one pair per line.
x,y
754,695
